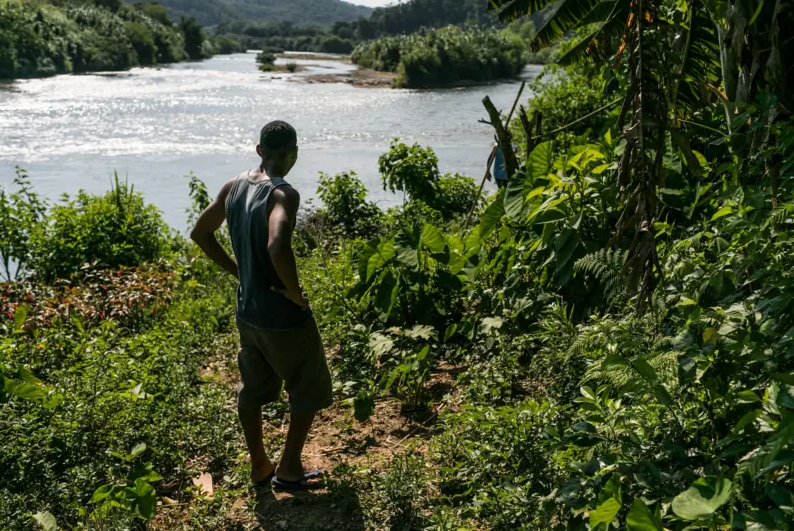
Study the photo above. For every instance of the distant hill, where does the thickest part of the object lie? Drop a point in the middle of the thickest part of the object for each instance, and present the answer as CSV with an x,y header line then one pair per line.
x,y
303,12
408,17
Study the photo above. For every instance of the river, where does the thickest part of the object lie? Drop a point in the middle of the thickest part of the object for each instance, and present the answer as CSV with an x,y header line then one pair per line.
x,y
155,125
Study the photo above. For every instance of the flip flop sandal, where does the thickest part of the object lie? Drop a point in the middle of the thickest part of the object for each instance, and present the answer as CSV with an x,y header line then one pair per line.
x,y
313,475
301,484
262,483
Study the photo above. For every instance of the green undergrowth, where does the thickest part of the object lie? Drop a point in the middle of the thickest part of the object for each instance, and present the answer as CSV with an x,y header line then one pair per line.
x,y
563,375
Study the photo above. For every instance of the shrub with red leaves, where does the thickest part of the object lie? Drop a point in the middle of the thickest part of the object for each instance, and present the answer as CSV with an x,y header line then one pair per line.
x,y
125,295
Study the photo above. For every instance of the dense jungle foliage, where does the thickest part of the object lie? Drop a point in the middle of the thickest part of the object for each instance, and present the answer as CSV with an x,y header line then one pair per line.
x,y
443,57
618,321
40,39
304,12
285,36
401,19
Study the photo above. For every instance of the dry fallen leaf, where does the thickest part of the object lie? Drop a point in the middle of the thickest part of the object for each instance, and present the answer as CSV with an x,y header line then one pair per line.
x,y
204,482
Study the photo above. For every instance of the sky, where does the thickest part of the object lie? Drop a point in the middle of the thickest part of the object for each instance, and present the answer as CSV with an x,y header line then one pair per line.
x,y
373,3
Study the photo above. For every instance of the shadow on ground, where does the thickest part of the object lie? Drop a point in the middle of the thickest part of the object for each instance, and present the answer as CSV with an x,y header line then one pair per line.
x,y
323,510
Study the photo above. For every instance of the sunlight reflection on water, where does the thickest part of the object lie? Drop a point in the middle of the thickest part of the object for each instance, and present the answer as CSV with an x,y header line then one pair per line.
x,y
157,124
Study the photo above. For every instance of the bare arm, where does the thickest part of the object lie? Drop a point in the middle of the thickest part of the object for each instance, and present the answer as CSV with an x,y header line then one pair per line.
x,y
204,232
279,246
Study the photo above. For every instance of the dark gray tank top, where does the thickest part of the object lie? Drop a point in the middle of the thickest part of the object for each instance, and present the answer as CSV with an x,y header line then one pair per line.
x,y
247,216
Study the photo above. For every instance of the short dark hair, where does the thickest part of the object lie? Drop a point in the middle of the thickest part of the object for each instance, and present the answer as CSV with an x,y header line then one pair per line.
x,y
278,135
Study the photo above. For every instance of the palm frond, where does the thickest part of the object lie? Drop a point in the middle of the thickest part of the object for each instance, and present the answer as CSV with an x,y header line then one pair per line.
x,y
700,63
598,44
507,10
569,15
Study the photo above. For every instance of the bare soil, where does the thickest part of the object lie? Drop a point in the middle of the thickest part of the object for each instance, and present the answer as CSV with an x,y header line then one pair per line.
x,y
336,439
363,77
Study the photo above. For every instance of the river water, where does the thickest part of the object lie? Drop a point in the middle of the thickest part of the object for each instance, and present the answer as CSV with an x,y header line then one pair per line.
x,y
155,125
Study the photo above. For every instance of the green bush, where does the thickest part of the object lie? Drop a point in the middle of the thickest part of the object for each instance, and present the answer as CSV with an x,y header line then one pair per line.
x,y
265,58
346,205
53,40
197,46
410,169
455,194
154,11
226,44
334,44
563,95
143,43
21,214
115,229
414,171
445,56
482,447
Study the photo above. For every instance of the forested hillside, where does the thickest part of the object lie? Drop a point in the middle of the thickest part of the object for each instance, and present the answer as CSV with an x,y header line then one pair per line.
x,y
212,12
39,39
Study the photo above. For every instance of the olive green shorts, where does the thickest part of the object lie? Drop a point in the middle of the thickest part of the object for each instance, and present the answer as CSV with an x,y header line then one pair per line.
x,y
294,358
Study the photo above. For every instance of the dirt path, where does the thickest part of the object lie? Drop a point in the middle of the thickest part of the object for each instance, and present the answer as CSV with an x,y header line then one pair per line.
x,y
338,445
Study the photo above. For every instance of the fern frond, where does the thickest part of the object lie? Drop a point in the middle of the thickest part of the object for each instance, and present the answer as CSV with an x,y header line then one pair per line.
x,y
606,266
665,363
778,215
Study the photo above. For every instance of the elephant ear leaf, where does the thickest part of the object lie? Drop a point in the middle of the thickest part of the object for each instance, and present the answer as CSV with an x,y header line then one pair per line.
x,y
640,518
703,498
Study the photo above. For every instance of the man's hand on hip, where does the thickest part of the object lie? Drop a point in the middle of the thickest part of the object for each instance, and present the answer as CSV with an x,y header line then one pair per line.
x,y
298,298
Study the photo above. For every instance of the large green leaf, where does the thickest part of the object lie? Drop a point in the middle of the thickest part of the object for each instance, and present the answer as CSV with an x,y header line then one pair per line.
x,y
20,316
101,493
433,239
610,501
703,498
375,255
640,518
490,218
540,161
549,215
604,514
515,197
24,390
386,295
645,369
407,245
146,500
782,497
27,376
565,245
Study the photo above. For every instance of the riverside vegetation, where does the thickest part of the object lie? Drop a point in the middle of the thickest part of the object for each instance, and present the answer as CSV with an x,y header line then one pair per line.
x,y
443,56
615,329
39,39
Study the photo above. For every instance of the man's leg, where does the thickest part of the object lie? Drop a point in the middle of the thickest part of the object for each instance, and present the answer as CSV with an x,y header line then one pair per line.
x,y
261,465
290,468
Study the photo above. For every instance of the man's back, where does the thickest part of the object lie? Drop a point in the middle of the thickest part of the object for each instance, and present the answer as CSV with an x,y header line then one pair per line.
x,y
247,213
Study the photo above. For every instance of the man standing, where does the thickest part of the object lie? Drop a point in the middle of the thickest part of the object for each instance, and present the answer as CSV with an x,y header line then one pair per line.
x,y
279,340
